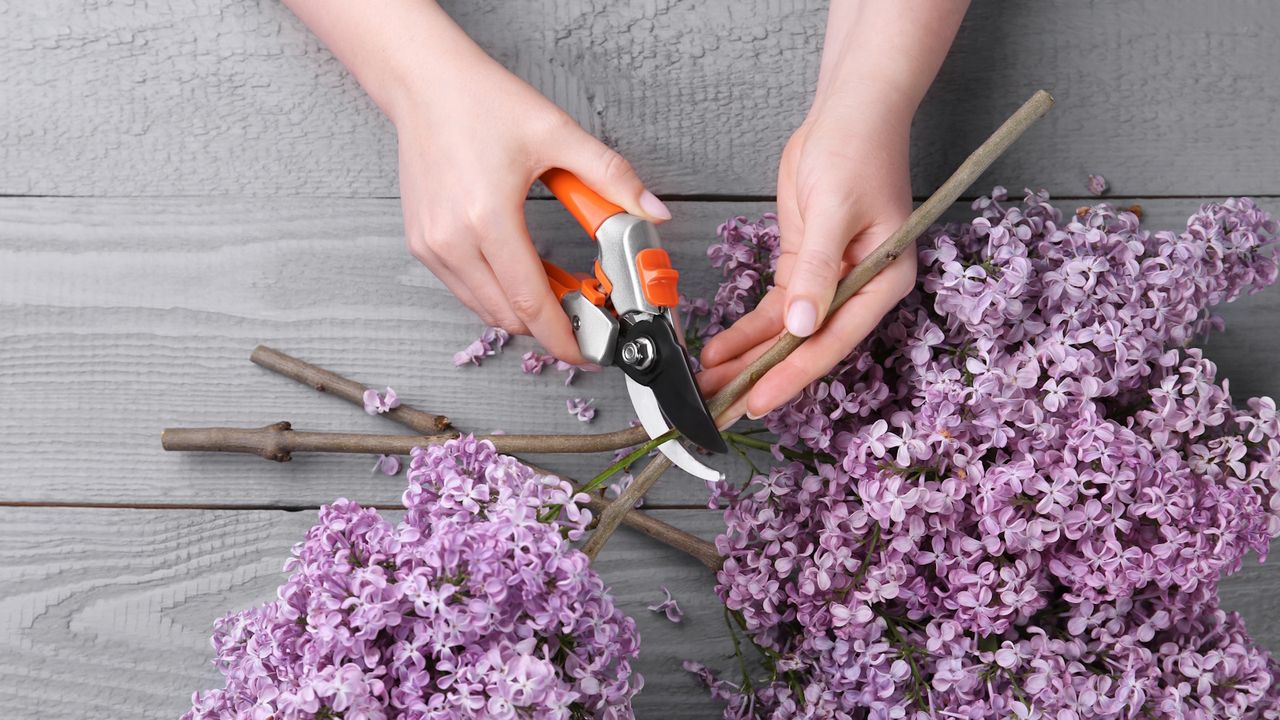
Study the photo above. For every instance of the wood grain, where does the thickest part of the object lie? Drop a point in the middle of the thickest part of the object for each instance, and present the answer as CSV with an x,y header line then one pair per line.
x,y
107,613
122,317
1164,97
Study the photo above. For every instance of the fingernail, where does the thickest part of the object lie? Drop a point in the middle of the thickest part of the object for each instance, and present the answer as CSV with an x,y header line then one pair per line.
x,y
753,416
802,317
653,206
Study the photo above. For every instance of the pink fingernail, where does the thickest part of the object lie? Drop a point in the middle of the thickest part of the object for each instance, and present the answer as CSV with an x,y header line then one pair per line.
x,y
653,206
802,317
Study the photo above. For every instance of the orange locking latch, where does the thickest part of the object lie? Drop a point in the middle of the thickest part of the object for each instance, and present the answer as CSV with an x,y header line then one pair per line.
x,y
657,278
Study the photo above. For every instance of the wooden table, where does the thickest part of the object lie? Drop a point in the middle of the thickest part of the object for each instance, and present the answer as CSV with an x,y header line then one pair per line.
x,y
181,181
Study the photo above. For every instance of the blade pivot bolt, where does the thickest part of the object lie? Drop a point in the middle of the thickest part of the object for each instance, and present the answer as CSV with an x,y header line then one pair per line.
x,y
638,353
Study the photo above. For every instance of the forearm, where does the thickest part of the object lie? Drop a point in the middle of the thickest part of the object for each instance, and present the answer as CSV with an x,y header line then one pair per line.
x,y
885,53
389,45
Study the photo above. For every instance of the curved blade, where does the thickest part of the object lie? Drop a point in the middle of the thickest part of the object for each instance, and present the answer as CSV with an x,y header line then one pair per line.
x,y
650,414
670,377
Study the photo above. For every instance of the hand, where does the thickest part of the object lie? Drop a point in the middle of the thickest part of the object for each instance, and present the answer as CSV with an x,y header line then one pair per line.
x,y
843,188
473,138
470,146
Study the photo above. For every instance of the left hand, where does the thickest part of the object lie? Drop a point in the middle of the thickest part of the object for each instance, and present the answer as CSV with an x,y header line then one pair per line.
x,y
843,188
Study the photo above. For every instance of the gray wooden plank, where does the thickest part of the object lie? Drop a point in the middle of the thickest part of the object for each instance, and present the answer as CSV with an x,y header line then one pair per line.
x,y
107,613
157,98
136,315
121,317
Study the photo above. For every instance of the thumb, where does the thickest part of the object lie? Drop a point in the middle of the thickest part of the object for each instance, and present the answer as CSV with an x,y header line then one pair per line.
x,y
816,270
608,173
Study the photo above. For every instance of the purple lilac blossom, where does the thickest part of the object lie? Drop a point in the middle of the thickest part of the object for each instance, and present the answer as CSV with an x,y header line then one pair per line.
x,y
468,607
1017,496
668,606
376,404
532,362
581,409
1096,185
490,343
387,465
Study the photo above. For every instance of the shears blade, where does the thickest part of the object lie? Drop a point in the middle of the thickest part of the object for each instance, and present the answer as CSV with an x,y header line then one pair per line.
x,y
655,424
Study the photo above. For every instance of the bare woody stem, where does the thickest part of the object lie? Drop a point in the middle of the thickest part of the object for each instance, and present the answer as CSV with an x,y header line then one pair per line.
x,y
353,392
665,533
901,241
279,440
425,423
332,383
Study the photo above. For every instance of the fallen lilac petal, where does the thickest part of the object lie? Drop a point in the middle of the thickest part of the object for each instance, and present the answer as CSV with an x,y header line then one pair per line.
x,y
669,607
581,409
387,465
376,404
1096,185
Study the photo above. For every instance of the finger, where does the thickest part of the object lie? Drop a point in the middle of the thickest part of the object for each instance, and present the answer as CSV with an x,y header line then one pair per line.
x,y
712,380
815,358
608,173
474,271
816,268
519,272
437,266
762,323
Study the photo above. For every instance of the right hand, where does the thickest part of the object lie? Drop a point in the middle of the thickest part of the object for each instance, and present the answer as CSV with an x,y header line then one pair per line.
x,y
471,144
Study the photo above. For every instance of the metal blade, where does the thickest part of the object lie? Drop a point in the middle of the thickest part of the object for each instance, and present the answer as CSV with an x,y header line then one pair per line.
x,y
650,414
650,353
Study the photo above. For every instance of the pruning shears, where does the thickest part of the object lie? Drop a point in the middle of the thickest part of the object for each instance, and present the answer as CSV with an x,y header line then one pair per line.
x,y
623,314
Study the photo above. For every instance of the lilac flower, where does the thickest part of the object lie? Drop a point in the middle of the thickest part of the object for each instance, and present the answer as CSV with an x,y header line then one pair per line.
x,y
532,363
668,606
581,409
1017,496
1097,185
468,607
376,404
490,343
387,465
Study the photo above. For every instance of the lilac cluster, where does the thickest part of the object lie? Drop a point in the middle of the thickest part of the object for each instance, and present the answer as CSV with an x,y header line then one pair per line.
x,y
745,255
1017,497
468,607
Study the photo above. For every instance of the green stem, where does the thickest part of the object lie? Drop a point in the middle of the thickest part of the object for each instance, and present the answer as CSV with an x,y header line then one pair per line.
x,y
746,441
594,483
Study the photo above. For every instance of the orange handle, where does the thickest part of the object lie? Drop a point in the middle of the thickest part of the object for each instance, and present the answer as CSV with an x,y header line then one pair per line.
x,y
587,207
563,282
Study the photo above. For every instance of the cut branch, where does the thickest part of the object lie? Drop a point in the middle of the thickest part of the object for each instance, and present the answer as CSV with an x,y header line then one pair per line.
x,y
665,533
332,383
901,241
615,512
327,381
278,440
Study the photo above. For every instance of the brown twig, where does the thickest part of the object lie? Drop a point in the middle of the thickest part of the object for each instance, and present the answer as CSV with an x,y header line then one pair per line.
x,y
902,240
665,533
278,440
615,512
327,381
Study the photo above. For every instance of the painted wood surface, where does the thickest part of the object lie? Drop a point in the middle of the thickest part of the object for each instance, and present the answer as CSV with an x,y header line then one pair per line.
x,y
121,317
1165,97
107,613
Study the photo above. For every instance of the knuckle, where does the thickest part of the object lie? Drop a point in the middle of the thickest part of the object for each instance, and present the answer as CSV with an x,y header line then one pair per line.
x,y
525,306
817,263
614,165
513,326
